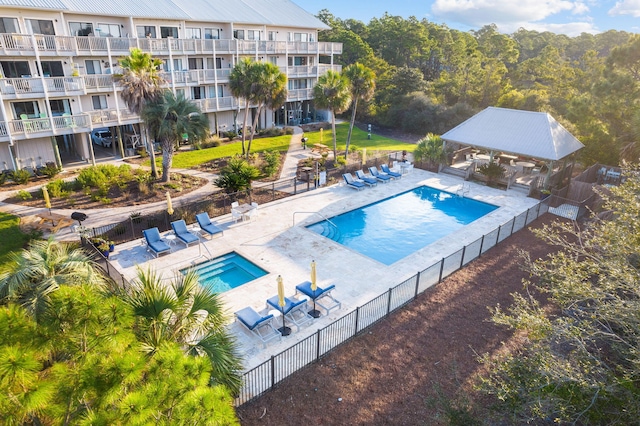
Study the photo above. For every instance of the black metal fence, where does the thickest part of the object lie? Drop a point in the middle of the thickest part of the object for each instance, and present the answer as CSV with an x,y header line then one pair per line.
x,y
267,375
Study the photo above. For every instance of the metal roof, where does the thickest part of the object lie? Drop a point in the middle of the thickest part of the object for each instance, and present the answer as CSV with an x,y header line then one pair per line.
x,y
260,12
528,133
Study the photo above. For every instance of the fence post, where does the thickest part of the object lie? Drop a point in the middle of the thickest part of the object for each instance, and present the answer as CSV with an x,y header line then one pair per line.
x,y
273,371
464,249
526,218
498,235
415,295
318,346
441,269
389,302
481,245
295,186
357,316
513,225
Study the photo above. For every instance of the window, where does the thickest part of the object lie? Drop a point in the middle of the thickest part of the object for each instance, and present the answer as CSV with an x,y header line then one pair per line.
x,y
196,63
211,33
238,34
30,109
15,69
297,61
180,93
298,37
92,66
197,92
166,32
297,84
81,28
146,31
40,26
273,60
109,30
272,36
192,33
177,65
52,69
9,25
99,102
253,35
59,107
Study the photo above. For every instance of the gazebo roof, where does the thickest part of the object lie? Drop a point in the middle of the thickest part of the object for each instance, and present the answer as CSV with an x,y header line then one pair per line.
x,y
528,133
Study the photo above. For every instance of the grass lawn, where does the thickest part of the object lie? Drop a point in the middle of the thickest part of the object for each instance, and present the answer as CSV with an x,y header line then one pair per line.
x,y
358,140
189,159
13,239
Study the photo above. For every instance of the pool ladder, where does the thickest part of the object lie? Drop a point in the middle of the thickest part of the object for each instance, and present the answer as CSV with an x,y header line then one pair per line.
x,y
463,190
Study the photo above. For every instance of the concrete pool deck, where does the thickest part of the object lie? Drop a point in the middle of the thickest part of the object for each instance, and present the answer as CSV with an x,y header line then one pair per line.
x,y
275,243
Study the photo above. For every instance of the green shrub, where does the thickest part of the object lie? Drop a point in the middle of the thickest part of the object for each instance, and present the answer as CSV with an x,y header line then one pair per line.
x,y
272,162
341,160
3,178
50,171
92,177
24,195
231,135
493,171
20,176
59,188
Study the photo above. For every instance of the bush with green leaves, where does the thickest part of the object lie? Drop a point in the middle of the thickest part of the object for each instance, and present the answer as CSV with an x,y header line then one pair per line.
x,y
50,170
579,363
24,195
21,176
271,162
3,178
59,188
493,171
237,175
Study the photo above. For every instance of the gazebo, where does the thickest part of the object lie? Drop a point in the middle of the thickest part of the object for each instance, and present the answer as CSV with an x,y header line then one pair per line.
x,y
528,134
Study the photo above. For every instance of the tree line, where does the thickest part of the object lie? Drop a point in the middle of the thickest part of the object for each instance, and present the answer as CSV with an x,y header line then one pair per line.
x,y
430,78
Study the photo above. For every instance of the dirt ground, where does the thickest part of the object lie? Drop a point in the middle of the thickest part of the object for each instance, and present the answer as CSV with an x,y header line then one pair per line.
x,y
415,366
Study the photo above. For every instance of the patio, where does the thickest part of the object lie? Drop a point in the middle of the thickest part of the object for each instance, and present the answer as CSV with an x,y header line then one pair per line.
x,y
274,242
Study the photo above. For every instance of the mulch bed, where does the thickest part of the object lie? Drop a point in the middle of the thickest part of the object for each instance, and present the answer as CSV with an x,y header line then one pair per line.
x,y
417,364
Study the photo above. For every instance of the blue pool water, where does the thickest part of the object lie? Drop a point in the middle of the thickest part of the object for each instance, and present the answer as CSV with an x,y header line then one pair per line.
x,y
226,272
395,227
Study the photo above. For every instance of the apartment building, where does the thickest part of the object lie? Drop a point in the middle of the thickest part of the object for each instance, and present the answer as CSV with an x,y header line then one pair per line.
x,y
58,57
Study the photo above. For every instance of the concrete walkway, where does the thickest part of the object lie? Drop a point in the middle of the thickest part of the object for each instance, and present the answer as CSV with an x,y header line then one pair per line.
x,y
108,215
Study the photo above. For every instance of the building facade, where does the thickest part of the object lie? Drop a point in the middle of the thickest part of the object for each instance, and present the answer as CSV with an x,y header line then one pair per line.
x,y
59,101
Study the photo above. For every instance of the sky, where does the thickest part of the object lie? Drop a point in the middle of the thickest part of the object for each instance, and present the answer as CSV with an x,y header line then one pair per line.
x,y
570,17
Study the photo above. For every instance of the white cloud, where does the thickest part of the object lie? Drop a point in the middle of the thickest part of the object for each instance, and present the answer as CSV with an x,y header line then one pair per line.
x,y
626,7
477,13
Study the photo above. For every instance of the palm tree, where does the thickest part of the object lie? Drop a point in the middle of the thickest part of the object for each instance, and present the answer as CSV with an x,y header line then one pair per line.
x,y
332,92
237,175
269,91
241,82
140,83
168,118
363,84
431,149
41,269
183,312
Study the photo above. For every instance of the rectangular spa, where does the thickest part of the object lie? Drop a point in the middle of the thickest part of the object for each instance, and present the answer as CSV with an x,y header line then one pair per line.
x,y
226,272
398,226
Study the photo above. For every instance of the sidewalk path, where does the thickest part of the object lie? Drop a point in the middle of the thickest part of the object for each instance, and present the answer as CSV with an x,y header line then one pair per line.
x,y
109,215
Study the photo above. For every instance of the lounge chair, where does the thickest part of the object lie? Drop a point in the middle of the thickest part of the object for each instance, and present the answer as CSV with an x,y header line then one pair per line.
x,y
183,234
385,168
381,177
205,224
259,325
366,179
351,182
294,310
155,244
320,295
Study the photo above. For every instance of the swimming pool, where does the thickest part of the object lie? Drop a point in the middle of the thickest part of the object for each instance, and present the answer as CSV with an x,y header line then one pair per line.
x,y
396,227
226,272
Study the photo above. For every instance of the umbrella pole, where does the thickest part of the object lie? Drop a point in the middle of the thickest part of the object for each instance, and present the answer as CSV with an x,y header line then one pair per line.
x,y
285,331
314,312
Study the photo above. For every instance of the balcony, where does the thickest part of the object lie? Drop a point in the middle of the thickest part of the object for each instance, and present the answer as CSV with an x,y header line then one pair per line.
x,y
48,45
24,88
42,127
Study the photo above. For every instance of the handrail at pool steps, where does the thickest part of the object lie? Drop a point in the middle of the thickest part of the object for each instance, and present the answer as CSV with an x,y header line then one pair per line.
x,y
319,214
267,375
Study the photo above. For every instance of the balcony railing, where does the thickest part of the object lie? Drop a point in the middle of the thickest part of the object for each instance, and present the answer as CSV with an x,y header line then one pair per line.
x,y
34,86
72,45
34,126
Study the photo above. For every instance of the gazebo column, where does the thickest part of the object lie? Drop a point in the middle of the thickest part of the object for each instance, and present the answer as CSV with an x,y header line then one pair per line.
x,y
548,177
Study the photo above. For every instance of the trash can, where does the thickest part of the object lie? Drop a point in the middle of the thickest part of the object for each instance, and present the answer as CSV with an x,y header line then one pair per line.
x,y
304,143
